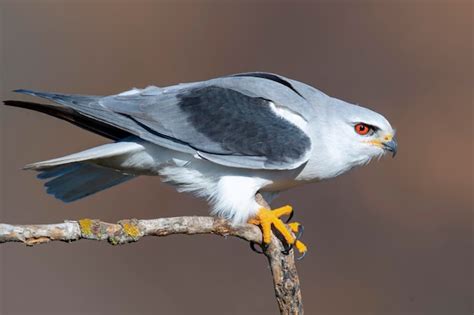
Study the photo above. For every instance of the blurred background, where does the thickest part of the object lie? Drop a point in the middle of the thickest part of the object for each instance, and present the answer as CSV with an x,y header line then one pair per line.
x,y
394,237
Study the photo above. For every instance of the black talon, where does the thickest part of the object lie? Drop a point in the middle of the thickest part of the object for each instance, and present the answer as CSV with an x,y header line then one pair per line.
x,y
288,248
298,237
290,217
263,247
300,232
302,256
252,246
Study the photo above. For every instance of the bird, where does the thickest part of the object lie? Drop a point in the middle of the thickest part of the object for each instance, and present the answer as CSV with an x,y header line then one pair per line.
x,y
228,140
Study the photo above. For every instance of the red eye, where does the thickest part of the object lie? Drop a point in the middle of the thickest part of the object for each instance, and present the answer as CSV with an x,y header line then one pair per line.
x,y
362,129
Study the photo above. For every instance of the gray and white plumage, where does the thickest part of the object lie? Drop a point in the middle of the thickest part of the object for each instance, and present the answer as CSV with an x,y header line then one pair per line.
x,y
224,139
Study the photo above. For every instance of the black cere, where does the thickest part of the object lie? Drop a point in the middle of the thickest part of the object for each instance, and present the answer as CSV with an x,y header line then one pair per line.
x,y
242,125
271,77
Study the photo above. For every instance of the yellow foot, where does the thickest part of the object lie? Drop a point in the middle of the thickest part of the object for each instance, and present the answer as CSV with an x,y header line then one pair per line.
x,y
267,218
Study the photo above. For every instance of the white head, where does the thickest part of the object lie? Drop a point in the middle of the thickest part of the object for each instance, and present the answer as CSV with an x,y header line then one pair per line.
x,y
349,135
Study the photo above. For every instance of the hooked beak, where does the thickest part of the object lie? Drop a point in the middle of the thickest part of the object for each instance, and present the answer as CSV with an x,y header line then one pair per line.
x,y
391,145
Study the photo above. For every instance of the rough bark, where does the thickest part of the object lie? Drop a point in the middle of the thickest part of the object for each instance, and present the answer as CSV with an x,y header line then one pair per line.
x,y
285,276
283,268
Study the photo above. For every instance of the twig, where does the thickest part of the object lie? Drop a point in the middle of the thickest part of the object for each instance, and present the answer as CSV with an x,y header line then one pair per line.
x,y
285,277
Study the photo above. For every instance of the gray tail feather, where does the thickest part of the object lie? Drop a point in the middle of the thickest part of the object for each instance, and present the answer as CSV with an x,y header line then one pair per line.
x,y
61,98
78,180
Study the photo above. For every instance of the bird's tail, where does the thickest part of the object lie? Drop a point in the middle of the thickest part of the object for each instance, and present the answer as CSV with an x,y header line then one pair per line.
x,y
79,175
75,181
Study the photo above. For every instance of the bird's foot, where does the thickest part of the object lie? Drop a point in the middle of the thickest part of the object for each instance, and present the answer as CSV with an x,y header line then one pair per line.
x,y
267,219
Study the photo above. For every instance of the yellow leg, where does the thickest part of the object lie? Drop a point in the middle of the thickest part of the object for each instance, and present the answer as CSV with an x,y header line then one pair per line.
x,y
267,218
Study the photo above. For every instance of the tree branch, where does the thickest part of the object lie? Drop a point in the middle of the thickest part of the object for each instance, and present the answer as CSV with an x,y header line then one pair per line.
x,y
285,277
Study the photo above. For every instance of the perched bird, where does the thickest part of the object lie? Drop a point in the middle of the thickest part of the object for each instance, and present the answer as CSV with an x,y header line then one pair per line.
x,y
226,139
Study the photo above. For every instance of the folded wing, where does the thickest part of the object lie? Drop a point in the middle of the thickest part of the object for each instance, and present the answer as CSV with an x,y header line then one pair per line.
x,y
232,121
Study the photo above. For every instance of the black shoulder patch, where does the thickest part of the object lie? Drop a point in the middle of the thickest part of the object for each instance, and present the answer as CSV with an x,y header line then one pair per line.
x,y
242,125
271,77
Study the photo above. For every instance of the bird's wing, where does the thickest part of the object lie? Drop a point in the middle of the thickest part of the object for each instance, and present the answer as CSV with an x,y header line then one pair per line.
x,y
245,121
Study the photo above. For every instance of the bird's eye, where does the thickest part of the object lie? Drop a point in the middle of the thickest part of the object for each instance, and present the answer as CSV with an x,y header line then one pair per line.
x,y
363,129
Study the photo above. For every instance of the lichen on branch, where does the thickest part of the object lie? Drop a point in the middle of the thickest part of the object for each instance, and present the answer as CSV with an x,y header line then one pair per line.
x,y
285,277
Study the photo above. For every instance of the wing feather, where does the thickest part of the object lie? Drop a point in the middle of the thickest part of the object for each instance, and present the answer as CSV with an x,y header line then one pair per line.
x,y
228,121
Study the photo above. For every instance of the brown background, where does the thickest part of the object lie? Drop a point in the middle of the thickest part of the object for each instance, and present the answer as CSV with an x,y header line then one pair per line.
x,y
391,238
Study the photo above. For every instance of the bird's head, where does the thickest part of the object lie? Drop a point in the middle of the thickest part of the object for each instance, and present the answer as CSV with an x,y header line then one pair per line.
x,y
358,134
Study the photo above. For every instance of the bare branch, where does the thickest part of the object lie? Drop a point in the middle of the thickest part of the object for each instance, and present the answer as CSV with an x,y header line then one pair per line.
x,y
285,277
122,232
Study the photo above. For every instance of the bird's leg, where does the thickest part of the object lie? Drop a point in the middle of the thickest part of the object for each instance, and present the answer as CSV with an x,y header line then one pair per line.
x,y
267,218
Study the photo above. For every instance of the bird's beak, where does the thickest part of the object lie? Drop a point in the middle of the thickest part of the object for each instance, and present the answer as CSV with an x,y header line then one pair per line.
x,y
390,145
